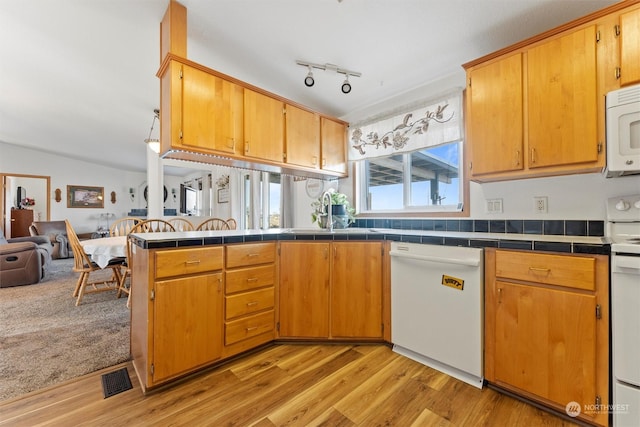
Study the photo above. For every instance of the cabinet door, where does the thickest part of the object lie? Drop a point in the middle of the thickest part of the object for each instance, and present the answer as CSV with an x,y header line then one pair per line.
x,y
263,126
333,137
630,47
21,219
187,324
562,100
545,342
495,121
356,290
304,289
211,111
303,137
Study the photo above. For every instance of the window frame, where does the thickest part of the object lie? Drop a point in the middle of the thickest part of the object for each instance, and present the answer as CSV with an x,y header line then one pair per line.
x,y
359,191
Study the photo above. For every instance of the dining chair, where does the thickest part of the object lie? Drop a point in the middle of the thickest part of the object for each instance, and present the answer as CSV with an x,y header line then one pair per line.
x,y
232,224
146,226
82,264
122,226
213,224
181,224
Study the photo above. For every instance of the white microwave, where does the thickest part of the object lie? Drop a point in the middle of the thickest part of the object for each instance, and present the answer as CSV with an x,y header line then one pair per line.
x,y
623,132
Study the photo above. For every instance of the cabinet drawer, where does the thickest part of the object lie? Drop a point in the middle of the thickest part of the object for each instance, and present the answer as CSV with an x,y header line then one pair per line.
x,y
180,262
562,270
248,254
248,302
250,278
248,327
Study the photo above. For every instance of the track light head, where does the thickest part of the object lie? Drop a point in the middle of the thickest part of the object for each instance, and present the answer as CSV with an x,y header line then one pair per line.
x,y
309,81
346,86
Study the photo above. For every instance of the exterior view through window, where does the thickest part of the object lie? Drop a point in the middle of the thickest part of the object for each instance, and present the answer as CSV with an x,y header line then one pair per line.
x,y
423,180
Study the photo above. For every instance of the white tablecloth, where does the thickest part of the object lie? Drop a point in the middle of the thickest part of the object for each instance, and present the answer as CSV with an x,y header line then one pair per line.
x,y
105,249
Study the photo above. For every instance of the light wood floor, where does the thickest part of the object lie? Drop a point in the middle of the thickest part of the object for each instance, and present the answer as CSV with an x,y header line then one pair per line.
x,y
289,384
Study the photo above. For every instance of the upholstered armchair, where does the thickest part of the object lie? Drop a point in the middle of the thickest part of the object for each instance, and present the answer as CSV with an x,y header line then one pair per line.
x,y
24,260
56,231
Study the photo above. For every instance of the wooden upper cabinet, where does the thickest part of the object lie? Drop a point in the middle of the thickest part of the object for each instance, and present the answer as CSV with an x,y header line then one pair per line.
x,y
630,47
263,126
562,100
495,125
211,112
302,137
333,136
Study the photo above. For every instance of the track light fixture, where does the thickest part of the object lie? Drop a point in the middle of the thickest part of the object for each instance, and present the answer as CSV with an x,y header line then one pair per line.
x,y
346,86
309,80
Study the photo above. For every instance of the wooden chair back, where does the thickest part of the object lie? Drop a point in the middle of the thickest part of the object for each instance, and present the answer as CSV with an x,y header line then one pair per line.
x,y
83,264
123,226
213,224
181,224
232,224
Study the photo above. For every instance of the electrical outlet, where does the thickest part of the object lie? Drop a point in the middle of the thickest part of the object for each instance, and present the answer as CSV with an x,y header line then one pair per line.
x,y
493,206
540,204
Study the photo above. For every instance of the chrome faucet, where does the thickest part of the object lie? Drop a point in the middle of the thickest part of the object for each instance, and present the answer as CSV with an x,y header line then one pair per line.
x,y
329,214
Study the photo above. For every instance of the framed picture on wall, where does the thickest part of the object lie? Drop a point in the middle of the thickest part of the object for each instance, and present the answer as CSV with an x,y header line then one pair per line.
x,y
79,196
223,195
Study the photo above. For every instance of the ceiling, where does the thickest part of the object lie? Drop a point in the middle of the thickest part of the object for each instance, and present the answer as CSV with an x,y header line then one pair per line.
x,y
77,77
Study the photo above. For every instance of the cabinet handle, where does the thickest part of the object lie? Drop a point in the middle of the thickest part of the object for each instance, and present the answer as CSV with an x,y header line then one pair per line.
x,y
252,303
192,262
233,144
517,157
246,146
533,155
252,328
499,295
252,279
253,255
540,270
326,253
314,160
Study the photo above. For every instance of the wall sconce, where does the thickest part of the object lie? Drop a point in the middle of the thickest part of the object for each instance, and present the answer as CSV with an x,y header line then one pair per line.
x,y
309,80
132,193
113,197
58,195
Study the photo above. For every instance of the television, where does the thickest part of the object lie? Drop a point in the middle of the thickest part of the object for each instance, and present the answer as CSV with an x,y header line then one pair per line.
x,y
20,194
187,200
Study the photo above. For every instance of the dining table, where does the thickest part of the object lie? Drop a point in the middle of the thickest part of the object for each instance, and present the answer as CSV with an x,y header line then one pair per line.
x,y
105,249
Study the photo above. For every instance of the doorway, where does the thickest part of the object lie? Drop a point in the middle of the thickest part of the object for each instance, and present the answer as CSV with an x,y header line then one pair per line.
x,y
36,187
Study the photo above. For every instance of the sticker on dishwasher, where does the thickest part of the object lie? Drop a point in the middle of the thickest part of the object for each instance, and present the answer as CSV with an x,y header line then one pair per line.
x,y
453,282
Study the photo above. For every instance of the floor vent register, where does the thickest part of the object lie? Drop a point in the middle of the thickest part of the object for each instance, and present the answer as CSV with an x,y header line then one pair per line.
x,y
116,382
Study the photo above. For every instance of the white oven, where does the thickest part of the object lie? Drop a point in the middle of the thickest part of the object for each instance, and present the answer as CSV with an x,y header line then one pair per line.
x,y
623,131
623,229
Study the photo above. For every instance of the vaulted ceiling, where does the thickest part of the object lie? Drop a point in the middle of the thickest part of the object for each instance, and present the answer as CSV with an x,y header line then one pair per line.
x,y
77,77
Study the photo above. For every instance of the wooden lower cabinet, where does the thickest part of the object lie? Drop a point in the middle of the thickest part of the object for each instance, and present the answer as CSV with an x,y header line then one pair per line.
x,y
546,328
331,290
249,298
187,327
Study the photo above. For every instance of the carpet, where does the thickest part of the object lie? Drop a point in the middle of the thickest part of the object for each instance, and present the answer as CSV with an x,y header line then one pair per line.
x,y
45,339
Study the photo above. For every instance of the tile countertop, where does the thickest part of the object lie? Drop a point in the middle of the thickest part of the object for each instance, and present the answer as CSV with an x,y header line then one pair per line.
x,y
537,242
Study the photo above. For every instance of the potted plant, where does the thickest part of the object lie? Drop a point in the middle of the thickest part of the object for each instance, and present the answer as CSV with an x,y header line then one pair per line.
x,y
342,212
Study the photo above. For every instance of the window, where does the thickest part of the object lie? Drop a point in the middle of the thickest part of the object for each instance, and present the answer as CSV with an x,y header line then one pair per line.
x,y
424,180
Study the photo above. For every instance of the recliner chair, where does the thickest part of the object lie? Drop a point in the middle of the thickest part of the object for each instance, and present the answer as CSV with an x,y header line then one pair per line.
x,y
24,260
56,231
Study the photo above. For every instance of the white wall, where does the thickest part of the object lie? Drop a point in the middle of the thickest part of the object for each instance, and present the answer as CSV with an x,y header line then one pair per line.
x,y
66,171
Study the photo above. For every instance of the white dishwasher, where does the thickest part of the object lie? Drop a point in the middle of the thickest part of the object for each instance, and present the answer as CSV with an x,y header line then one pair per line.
x,y
437,310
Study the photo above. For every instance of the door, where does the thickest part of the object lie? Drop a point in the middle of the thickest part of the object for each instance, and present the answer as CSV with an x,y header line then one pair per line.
x,y
21,219
187,329
333,144
496,119
37,187
356,290
562,101
263,126
304,289
303,137
545,342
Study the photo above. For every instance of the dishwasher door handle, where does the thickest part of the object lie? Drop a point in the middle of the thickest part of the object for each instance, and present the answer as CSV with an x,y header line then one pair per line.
x,y
472,262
